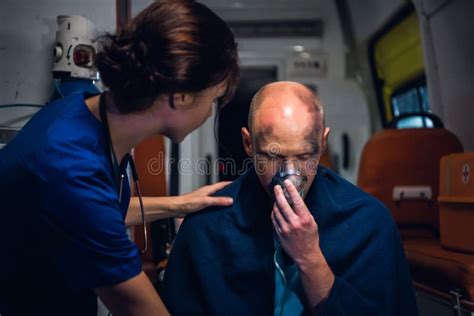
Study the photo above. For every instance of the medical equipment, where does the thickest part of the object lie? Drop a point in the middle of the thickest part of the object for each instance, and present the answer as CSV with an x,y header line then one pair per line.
x,y
290,170
75,48
74,53
281,302
120,177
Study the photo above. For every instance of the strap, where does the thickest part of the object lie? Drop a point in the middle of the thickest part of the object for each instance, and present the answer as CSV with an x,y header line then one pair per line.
x,y
116,168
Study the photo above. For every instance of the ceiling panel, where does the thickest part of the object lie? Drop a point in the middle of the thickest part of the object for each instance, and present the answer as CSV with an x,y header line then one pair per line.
x,y
262,4
241,10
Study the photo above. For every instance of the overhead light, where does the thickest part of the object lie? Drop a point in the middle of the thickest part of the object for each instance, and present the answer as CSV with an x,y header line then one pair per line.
x,y
305,55
298,48
237,5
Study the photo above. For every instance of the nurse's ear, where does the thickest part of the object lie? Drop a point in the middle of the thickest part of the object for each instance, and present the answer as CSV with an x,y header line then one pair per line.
x,y
247,141
181,100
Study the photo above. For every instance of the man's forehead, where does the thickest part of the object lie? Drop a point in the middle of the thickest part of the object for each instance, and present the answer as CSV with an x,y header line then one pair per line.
x,y
276,130
268,142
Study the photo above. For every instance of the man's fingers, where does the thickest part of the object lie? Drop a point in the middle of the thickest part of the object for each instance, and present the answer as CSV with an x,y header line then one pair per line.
x,y
213,188
298,203
282,225
280,220
275,226
283,205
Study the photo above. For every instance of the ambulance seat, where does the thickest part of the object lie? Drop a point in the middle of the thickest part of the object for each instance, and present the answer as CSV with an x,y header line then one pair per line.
x,y
394,160
442,270
411,157
446,266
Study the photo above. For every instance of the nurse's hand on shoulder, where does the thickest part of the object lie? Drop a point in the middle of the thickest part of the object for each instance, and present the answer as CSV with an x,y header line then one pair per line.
x,y
202,198
159,207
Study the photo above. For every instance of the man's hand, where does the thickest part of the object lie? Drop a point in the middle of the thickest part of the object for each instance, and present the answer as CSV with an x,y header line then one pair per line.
x,y
295,227
298,234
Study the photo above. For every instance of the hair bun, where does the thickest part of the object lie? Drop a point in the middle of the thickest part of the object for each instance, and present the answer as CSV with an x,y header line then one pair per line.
x,y
170,46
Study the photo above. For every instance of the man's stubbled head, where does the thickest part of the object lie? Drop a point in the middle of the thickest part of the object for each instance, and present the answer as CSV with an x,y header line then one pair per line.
x,y
286,125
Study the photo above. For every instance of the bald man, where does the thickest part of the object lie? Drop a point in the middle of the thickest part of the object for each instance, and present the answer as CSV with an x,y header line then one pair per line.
x,y
324,248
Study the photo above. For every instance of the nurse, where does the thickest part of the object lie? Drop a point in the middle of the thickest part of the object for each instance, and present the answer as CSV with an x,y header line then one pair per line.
x,y
64,191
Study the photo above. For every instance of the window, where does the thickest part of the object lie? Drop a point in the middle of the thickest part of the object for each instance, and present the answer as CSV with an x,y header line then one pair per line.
x,y
411,99
396,60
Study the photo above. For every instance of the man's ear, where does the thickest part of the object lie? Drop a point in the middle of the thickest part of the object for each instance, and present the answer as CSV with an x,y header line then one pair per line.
x,y
247,141
327,130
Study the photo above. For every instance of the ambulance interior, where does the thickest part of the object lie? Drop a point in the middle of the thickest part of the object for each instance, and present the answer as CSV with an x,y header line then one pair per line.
x,y
396,78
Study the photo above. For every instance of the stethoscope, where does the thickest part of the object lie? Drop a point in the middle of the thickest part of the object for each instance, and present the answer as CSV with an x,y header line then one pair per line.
x,y
118,176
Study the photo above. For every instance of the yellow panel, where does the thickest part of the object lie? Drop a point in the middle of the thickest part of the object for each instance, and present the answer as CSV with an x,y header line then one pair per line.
x,y
399,57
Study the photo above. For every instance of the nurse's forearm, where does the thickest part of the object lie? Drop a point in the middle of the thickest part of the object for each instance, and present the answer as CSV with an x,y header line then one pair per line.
x,y
156,208
133,297
173,206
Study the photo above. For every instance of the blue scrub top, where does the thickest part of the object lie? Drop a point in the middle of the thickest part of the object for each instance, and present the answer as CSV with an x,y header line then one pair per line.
x,y
62,230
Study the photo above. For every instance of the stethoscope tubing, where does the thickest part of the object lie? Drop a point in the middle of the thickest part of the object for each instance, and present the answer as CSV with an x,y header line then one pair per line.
x,y
119,177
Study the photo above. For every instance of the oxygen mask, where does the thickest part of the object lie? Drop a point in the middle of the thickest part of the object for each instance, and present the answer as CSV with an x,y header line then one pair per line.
x,y
290,170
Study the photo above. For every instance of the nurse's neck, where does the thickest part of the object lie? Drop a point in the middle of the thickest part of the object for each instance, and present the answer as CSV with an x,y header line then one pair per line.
x,y
126,130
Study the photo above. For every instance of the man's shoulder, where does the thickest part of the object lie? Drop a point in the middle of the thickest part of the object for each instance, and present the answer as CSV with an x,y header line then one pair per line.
x,y
214,215
348,199
352,215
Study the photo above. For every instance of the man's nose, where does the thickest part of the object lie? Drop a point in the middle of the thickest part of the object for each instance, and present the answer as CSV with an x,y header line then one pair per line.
x,y
290,165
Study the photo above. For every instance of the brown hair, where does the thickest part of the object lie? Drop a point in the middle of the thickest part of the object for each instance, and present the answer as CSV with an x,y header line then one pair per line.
x,y
171,46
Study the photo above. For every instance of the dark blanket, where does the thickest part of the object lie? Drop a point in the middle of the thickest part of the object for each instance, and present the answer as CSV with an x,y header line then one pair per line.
x,y
221,263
